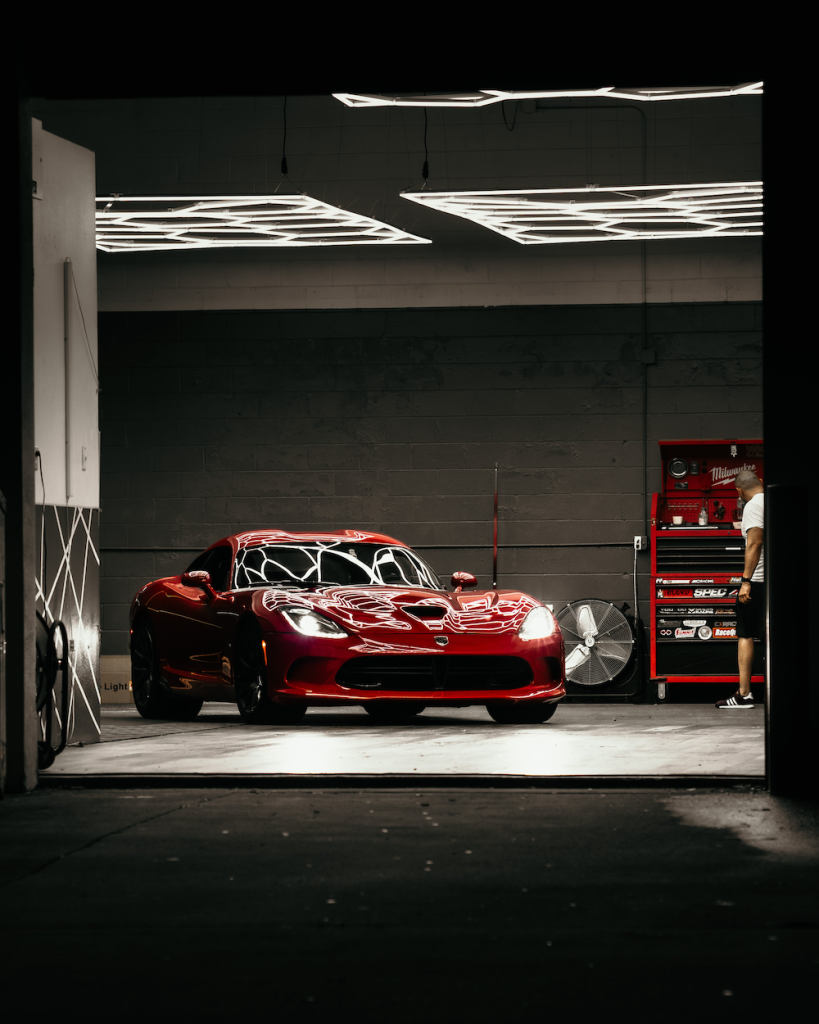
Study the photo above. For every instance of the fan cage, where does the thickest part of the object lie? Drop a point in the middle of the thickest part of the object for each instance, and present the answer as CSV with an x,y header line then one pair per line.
x,y
613,647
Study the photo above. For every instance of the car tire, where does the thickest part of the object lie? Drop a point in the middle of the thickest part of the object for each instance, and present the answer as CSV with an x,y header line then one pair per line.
x,y
394,711
250,677
151,698
521,714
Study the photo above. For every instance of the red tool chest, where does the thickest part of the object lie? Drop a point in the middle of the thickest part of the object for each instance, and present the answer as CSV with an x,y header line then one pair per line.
x,y
697,561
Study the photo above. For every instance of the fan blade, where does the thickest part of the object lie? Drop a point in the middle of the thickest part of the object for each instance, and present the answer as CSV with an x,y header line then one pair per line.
x,y
615,651
585,620
577,657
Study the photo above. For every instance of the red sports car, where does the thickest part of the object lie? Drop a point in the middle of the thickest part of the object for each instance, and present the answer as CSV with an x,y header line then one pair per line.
x,y
278,622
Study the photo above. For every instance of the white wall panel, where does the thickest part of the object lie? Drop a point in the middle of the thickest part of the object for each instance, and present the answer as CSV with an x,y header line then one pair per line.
x,y
65,370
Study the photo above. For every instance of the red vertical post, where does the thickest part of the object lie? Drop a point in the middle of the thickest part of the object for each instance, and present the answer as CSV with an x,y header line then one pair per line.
x,y
495,536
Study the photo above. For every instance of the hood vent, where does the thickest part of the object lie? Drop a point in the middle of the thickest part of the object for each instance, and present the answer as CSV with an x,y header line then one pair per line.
x,y
425,611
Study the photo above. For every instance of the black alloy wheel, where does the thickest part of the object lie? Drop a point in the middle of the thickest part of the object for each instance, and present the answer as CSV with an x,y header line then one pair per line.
x,y
250,676
151,698
394,710
521,714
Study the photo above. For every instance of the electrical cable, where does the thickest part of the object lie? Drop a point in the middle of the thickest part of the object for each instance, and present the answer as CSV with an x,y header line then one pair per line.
x,y
425,168
514,116
284,138
85,332
53,664
284,152
43,542
645,387
628,106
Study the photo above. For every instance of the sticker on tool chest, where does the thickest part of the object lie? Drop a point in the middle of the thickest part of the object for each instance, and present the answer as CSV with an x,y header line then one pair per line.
x,y
679,610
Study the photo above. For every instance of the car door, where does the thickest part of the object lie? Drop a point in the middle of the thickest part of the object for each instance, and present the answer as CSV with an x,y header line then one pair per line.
x,y
205,627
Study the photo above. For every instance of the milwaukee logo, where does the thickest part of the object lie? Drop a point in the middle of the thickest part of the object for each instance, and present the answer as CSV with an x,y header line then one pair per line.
x,y
722,475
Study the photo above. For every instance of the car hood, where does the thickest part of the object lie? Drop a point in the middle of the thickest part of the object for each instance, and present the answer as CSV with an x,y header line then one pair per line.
x,y
398,610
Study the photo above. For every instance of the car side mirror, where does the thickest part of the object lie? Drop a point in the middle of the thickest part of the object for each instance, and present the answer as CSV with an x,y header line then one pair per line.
x,y
199,578
463,579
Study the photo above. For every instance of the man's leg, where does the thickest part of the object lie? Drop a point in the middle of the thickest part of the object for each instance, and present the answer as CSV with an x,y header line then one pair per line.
x,y
746,660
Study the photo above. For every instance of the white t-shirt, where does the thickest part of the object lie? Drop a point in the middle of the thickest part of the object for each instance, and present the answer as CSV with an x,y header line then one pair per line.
x,y
754,515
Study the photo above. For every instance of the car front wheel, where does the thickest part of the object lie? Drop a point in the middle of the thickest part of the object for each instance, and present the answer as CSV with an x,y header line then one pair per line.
x,y
250,675
521,714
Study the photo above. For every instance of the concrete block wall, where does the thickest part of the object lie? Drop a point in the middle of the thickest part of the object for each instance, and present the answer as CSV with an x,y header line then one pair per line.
x,y
392,419
397,277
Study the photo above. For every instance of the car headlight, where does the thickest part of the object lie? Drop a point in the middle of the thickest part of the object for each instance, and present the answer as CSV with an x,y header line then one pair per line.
x,y
311,623
539,623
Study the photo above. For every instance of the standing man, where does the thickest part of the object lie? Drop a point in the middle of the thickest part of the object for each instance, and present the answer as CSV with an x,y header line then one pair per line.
x,y
750,604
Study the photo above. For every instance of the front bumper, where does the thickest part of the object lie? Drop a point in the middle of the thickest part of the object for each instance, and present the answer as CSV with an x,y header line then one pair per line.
x,y
316,671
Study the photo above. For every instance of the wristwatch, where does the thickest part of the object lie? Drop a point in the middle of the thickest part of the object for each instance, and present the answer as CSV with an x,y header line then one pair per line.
x,y
746,579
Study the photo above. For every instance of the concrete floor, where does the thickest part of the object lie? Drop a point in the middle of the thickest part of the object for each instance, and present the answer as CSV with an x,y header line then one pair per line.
x,y
410,905
600,740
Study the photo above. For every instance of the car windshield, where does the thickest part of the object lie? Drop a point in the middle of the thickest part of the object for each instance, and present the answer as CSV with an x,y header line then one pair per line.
x,y
339,563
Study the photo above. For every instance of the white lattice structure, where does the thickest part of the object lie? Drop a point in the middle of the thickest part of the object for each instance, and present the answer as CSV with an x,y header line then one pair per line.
x,y
617,213
149,223
485,97
62,592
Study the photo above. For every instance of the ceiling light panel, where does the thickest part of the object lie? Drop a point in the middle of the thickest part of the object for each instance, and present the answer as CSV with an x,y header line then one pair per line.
x,y
149,223
484,97
618,213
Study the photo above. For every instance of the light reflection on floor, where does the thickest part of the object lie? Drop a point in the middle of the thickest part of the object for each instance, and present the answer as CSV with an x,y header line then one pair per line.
x,y
579,740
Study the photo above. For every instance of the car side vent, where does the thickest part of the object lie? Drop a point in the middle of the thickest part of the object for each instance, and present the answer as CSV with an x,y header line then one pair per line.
x,y
425,611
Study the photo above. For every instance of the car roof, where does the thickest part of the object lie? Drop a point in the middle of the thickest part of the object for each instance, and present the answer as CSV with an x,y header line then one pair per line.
x,y
253,537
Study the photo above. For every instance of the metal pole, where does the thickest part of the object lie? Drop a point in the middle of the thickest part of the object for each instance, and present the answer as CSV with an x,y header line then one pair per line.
x,y
67,363
495,537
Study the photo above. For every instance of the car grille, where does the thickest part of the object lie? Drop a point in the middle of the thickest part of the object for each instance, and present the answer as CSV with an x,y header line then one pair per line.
x,y
439,672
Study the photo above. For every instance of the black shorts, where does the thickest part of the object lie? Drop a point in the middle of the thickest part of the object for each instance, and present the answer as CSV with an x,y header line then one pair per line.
x,y
751,616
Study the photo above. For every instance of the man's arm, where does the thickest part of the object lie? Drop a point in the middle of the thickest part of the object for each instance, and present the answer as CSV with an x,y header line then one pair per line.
x,y
753,549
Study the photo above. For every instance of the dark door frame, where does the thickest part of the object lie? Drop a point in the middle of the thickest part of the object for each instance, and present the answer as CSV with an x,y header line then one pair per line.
x,y
792,708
